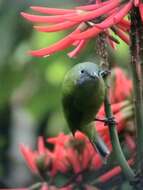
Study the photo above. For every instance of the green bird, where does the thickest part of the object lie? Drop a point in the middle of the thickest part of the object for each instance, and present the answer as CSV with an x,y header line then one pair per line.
x,y
82,95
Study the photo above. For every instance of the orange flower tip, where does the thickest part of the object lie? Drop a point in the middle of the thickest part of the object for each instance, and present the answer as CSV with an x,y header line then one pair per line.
x,y
37,28
28,53
141,10
70,55
35,54
23,14
39,53
28,16
45,56
33,7
22,146
23,149
31,17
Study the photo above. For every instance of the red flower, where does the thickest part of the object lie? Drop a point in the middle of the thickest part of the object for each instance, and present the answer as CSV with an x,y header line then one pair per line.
x,y
121,87
90,20
29,158
112,173
36,159
44,187
141,10
130,142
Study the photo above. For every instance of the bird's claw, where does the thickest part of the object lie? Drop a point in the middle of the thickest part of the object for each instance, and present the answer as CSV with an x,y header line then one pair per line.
x,y
110,121
105,73
107,121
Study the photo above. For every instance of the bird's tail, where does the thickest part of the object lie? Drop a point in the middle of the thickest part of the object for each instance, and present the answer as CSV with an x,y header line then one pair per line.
x,y
100,147
97,143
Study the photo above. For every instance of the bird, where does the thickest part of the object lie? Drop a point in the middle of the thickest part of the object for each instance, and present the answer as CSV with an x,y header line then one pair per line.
x,y
83,93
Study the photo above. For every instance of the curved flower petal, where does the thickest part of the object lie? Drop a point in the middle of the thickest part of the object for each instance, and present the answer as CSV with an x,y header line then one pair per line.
x,y
108,22
113,172
77,49
57,27
92,32
136,3
92,7
29,158
47,10
130,142
124,24
60,45
45,19
124,36
141,10
85,16
41,146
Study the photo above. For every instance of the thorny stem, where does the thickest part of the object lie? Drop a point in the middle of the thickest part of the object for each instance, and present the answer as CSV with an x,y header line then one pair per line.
x,y
128,172
140,36
136,56
140,45
102,50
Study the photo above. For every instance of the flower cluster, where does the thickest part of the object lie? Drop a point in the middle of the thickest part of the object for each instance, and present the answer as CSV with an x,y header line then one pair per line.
x,y
73,158
88,21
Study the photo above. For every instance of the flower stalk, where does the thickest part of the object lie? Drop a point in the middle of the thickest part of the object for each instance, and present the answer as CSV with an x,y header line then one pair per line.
x,y
140,36
136,62
128,172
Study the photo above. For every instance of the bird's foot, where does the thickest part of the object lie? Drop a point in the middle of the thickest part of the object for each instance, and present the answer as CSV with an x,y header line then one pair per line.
x,y
110,121
107,121
105,73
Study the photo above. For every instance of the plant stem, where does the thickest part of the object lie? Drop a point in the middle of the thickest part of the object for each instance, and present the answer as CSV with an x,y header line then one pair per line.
x,y
102,51
137,85
140,39
128,172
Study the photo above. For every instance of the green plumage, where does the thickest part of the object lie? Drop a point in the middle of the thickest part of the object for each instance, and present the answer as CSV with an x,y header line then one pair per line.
x,y
82,96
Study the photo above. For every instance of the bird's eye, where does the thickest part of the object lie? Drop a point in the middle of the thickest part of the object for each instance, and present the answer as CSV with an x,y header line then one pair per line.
x,y
82,71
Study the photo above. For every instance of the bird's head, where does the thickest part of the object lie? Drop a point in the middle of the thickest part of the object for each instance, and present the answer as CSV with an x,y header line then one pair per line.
x,y
86,73
82,77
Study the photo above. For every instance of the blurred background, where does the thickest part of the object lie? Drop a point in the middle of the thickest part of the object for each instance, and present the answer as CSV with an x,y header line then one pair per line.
x,y
30,88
